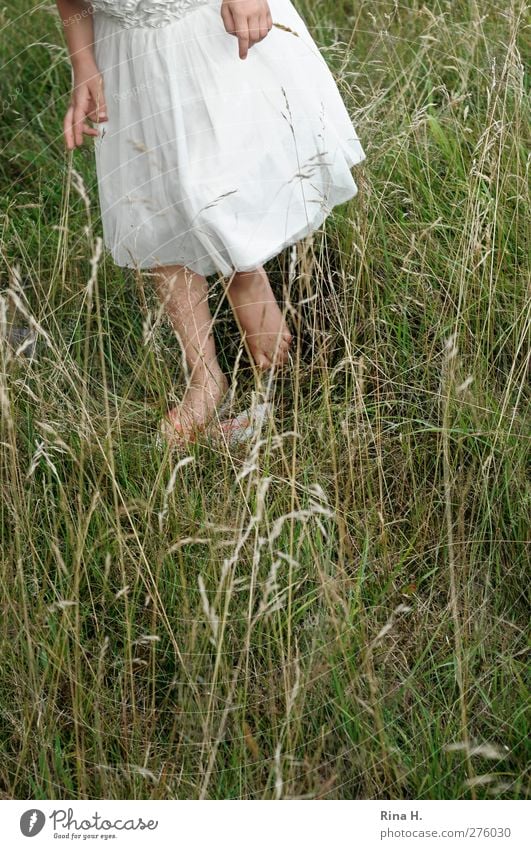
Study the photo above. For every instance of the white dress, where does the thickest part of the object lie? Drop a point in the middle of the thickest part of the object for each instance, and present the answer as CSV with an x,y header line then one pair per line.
x,y
208,160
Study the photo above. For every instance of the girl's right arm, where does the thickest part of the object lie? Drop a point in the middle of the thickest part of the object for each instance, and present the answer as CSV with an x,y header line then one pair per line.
x,y
88,99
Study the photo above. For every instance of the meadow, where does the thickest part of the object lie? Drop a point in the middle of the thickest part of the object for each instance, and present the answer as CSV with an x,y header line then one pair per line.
x,y
340,609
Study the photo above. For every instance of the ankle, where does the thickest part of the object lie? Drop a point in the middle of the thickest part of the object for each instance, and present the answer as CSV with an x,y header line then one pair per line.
x,y
204,376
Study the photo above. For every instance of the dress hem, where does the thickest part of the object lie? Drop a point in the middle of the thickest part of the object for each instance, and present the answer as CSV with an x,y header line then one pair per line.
x,y
310,227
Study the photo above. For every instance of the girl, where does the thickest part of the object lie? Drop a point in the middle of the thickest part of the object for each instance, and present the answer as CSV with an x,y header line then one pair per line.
x,y
212,156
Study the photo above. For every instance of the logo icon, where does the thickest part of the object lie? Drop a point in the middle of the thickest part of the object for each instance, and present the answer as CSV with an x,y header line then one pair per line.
x,y
32,822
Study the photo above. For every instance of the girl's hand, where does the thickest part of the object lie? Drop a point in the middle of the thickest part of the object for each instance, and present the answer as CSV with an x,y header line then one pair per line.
x,y
249,20
88,101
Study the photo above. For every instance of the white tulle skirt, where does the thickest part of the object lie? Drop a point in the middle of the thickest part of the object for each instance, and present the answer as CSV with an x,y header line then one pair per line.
x,y
211,161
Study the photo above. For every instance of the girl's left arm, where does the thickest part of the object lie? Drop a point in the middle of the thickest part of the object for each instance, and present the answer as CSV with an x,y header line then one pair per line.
x,y
76,17
88,100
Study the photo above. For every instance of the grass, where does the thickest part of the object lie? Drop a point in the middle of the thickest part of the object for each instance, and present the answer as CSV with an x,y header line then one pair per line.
x,y
342,612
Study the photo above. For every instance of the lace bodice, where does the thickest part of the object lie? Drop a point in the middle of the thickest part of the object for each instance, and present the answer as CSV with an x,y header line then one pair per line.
x,y
146,13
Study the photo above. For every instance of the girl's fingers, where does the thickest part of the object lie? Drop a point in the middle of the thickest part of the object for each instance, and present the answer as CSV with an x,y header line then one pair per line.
x,y
75,127
96,107
68,129
228,20
100,110
79,119
249,30
98,115
242,32
253,24
257,28
264,27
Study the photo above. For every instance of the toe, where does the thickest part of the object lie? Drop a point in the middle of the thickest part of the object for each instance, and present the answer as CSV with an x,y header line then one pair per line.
x,y
263,362
280,357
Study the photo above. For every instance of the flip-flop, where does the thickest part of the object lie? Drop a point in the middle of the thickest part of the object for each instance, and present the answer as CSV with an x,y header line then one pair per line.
x,y
242,428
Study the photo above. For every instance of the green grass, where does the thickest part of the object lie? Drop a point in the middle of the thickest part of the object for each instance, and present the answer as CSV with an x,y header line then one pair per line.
x,y
341,613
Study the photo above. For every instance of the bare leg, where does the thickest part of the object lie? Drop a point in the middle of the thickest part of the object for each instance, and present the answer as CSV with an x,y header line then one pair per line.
x,y
259,316
185,297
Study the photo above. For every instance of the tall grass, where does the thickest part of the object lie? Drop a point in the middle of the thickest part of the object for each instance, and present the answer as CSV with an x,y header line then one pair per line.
x,y
340,611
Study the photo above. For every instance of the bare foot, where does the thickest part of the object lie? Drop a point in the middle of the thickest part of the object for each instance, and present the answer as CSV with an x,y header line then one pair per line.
x,y
258,314
200,400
